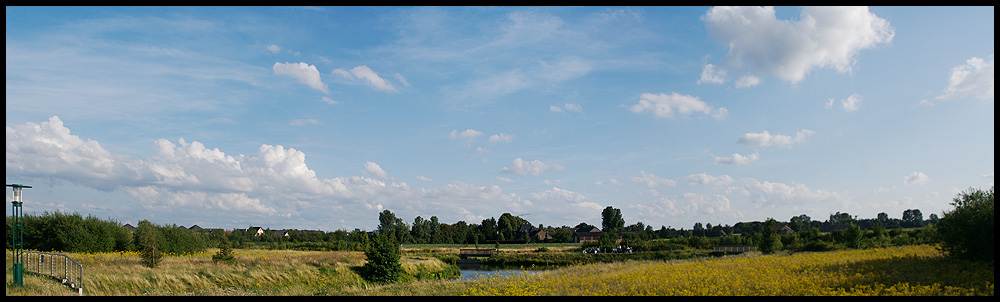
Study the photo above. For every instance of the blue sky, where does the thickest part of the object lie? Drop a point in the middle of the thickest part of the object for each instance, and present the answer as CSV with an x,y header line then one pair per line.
x,y
322,117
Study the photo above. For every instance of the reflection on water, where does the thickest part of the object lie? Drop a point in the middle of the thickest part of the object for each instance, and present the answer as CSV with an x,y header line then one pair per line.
x,y
469,273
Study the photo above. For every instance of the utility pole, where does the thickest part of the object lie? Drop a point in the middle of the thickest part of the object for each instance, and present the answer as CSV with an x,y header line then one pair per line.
x,y
17,232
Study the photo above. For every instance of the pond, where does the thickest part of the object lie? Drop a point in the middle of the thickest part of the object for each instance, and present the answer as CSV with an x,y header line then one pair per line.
x,y
469,273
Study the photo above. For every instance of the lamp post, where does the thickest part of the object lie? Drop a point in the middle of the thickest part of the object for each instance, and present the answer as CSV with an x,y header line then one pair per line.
x,y
17,230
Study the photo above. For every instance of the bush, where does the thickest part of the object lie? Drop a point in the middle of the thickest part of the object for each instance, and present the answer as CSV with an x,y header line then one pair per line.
x,y
967,231
225,253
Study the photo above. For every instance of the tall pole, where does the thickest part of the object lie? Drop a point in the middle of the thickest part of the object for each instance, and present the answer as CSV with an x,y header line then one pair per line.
x,y
17,232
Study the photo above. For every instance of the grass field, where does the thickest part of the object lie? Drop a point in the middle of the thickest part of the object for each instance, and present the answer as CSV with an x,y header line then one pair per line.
x,y
910,270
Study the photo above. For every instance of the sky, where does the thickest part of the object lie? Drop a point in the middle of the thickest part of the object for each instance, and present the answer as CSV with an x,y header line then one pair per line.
x,y
320,118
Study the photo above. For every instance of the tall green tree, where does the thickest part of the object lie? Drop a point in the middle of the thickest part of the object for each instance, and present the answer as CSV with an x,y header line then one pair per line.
x,y
148,239
508,225
383,256
611,220
912,218
390,224
770,242
967,230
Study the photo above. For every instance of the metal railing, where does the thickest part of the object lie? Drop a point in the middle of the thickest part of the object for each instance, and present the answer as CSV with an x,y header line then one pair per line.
x,y
55,265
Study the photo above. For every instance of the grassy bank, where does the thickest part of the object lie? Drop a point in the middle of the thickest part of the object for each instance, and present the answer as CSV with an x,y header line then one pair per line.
x,y
910,270
255,272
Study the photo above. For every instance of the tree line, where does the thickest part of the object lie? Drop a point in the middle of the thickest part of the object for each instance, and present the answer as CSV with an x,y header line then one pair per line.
x,y
74,233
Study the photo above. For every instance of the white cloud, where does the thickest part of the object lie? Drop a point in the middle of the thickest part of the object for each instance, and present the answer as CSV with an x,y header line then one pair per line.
x,y
737,159
666,105
424,178
368,76
567,107
705,179
650,180
760,44
49,151
766,139
501,138
782,195
403,80
851,103
329,101
302,72
375,170
466,136
972,80
565,204
559,194
201,184
274,48
710,75
748,81
535,167
916,178
684,205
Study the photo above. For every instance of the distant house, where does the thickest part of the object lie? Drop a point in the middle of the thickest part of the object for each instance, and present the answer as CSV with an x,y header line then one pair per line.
x,y
582,235
129,227
256,231
784,229
530,233
198,228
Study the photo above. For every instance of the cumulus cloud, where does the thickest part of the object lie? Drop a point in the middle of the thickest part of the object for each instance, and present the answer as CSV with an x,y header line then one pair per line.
x,y
375,170
760,44
666,105
465,135
368,76
737,159
705,179
916,178
849,104
711,75
766,139
501,138
200,183
766,193
535,167
274,48
302,72
650,180
974,79
49,151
